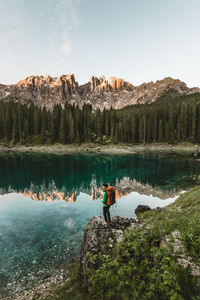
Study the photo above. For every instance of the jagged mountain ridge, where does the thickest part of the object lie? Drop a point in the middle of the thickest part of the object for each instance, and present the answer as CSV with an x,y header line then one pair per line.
x,y
99,92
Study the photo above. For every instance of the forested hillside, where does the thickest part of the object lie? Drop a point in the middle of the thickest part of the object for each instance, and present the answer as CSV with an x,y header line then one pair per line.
x,y
173,118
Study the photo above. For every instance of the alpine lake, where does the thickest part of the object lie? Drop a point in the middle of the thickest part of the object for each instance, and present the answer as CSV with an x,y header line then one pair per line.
x,y
46,201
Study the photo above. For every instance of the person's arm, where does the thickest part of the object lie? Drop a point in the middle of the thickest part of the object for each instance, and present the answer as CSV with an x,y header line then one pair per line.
x,y
104,198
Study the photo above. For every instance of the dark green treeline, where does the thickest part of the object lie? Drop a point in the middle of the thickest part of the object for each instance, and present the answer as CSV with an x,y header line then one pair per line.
x,y
172,118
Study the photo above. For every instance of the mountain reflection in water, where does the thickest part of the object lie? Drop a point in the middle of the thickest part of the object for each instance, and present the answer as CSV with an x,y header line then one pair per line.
x,y
123,188
50,177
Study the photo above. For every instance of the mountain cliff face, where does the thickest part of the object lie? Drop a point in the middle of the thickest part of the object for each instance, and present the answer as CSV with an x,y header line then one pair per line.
x,y
99,92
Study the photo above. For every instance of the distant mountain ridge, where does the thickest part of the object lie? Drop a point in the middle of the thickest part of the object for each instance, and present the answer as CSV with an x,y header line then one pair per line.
x,y
99,92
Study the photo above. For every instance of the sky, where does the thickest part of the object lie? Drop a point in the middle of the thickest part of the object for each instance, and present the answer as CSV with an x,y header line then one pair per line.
x,y
138,40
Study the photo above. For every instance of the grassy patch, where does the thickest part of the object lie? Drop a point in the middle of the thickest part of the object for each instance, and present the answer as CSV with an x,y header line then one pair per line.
x,y
142,269
178,213
183,215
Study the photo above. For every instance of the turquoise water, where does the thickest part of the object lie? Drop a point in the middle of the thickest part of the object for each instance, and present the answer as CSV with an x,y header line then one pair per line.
x,y
47,200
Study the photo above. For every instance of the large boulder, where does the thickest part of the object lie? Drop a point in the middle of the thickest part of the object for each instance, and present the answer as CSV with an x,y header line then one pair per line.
x,y
100,238
141,208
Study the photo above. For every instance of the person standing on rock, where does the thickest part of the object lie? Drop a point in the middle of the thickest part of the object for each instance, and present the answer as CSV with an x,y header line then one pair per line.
x,y
106,207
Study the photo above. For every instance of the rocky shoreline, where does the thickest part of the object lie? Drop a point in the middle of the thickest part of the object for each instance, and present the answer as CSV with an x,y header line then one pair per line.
x,y
184,149
43,288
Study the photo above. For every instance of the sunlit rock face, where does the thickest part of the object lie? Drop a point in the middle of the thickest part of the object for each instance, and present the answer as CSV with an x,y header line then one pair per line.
x,y
99,92
45,90
112,84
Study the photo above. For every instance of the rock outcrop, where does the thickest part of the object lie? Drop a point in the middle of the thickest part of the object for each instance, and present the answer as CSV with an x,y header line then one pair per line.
x,y
141,209
100,238
99,92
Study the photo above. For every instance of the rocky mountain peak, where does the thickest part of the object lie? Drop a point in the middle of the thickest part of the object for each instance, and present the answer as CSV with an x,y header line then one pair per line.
x,y
99,92
38,81
43,90
112,84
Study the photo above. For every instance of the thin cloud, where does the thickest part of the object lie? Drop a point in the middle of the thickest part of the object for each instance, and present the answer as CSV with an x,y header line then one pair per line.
x,y
66,48
67,20
57,19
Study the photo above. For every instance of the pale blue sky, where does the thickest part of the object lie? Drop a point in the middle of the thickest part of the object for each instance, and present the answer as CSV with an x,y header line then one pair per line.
x,y
138,40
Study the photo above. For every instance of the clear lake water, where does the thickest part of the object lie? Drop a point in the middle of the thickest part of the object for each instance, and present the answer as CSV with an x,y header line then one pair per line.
x,y
46,201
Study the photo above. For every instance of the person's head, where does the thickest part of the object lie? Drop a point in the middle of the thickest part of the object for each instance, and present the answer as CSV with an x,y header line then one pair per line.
x,y
105,185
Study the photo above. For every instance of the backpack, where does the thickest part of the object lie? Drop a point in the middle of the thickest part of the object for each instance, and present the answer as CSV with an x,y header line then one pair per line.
x,y
110,192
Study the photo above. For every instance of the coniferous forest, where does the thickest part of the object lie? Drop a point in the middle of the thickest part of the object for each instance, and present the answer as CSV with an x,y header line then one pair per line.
x,y
173,118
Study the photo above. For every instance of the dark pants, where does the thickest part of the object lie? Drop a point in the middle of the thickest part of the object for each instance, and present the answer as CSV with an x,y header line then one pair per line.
x,y
106,213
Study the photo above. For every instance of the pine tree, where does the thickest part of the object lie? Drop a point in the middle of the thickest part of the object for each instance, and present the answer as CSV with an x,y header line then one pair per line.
x,y
71,128
194,123
63,128
7,124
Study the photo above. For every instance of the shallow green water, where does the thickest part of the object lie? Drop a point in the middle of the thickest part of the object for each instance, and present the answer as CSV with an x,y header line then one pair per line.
x,y
46,201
